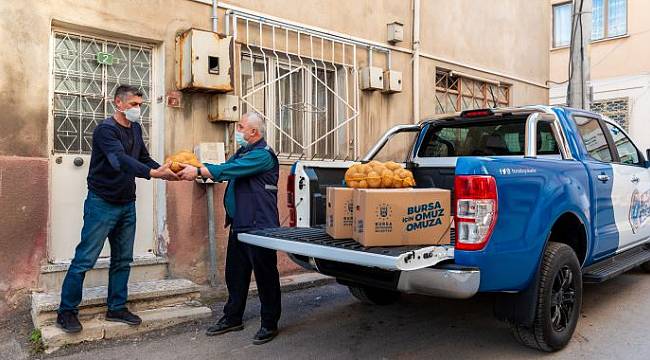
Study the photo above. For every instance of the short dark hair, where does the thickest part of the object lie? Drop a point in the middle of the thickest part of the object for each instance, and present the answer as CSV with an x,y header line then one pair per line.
x,y
123,91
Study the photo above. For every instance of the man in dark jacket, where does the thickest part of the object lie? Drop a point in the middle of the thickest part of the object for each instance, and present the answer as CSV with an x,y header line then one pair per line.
x,y
251,203
118,156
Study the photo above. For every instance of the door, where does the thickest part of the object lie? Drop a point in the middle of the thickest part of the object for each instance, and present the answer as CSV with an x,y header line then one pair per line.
x,y
631,189
598,162
86,72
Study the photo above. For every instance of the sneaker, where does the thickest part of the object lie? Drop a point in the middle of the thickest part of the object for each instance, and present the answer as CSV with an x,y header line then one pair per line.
x,y
123,316
264,335
68,321
222,326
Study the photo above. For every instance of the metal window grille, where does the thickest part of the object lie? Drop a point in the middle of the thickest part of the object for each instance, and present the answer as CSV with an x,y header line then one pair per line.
x,y
84,87
304,85
617,109
455,93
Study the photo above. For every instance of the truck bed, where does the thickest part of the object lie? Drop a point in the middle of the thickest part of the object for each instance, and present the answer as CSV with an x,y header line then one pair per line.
x,y
315,242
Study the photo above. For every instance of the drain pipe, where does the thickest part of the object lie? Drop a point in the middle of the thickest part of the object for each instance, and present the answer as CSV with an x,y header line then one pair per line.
x,y
209,189
416,61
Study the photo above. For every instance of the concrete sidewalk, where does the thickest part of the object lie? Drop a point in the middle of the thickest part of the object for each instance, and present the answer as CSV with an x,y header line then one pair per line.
x,y
14,334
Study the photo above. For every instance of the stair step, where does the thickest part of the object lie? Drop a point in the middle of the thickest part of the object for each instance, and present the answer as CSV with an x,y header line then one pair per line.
x,y
142,296
142,269
98,328
616,265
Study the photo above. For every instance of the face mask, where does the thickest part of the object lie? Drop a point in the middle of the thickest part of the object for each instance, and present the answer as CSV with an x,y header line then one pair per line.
x,y
132,114
239,138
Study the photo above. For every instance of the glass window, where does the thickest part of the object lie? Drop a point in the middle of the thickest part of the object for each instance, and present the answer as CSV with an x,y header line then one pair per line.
x,y
609,19
627,152
616,17
562,25
491,138
594,138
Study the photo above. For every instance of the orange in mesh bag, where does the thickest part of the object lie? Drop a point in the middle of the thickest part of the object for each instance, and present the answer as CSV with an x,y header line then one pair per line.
x,y
183,157
377,175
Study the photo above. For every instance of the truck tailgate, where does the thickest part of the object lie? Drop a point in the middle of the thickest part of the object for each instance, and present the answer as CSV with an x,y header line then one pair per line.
x,y
316,243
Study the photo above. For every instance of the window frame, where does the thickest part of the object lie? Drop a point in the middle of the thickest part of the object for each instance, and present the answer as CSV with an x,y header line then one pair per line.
x,y
599,121
612,144
605,36
570,3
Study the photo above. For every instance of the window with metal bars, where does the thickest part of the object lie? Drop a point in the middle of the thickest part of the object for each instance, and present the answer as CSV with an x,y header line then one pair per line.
x,y
304,101
86,72
455,93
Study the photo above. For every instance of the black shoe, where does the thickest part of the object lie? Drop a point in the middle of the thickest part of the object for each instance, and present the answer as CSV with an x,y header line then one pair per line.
x,y
264,335
68,322
123,316
222,327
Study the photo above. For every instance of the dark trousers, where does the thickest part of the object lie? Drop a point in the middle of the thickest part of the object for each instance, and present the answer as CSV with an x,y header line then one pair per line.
x,y
241,260
102,220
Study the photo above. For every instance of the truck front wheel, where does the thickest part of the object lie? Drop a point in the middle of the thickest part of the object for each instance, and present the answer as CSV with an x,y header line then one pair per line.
x,y
374,296
559,300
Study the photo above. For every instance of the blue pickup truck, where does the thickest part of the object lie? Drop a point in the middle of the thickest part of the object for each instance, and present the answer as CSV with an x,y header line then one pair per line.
x,y
544,199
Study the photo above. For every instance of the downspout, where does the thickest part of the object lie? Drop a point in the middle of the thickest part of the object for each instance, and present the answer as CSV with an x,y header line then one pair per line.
x,y
416,61
209,189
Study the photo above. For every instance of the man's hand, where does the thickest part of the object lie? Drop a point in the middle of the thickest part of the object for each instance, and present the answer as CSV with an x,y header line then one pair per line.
x,y
164,172
188,173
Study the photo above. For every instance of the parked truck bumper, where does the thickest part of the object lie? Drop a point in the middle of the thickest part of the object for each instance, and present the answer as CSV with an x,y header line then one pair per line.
x,y
444,282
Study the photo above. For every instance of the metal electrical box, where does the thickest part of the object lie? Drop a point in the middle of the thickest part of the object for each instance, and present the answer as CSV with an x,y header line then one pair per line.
x,y
392,81
372,78
224,107
395,32
204,62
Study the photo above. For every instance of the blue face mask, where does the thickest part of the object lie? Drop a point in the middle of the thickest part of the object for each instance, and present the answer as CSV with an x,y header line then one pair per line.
x,y
239,139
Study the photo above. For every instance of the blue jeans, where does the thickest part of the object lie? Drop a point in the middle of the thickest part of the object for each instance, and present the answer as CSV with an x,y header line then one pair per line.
x,y
101,220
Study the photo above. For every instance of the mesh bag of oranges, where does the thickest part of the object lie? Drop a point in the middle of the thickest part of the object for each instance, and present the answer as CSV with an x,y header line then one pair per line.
x,y
182,157
378,175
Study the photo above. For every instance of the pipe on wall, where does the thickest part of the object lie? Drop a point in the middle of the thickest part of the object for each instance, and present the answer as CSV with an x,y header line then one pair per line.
x,y
416,61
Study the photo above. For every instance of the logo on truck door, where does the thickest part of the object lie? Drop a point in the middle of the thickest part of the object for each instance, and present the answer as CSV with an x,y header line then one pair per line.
x,y
639,210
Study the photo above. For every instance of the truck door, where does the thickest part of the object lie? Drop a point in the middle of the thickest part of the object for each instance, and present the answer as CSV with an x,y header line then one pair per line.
x,y
630,189
598,162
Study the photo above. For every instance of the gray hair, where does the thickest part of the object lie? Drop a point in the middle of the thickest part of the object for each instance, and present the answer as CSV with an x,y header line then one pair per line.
x,y
256,121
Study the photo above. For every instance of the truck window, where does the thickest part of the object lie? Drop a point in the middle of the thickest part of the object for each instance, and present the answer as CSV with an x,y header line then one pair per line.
x,y
627,152
594,138
485,138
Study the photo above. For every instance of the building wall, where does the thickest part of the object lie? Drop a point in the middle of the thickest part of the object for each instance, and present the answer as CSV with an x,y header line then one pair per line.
x,y
627,55
478,41
619,69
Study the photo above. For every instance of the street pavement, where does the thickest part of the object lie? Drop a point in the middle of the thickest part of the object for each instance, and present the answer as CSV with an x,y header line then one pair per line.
x,y
328,323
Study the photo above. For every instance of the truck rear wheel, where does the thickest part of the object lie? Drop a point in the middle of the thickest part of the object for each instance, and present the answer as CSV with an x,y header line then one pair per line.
x,y
374,296
559,300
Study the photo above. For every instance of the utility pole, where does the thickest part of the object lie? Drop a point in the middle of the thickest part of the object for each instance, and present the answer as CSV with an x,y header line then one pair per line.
x,y
579,92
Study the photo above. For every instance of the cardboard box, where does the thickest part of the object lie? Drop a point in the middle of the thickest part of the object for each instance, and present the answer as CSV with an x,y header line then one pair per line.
x,y
398,217
339,212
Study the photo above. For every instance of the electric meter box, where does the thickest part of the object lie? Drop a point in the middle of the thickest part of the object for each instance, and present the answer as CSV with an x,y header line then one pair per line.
x,y
392,81
372,78
395,32
224,107
204,62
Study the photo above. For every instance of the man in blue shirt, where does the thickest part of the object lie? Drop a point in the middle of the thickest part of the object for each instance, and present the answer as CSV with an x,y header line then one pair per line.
x,y
251,203
118,156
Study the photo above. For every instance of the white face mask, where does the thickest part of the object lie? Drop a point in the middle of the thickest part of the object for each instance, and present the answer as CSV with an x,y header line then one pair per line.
x,y
132,114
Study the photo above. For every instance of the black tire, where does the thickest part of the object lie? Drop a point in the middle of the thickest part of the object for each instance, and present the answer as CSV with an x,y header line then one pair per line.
x,y
645,266
559,300
374,296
